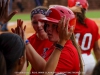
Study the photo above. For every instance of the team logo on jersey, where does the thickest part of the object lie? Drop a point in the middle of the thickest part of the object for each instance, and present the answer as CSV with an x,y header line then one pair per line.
x,y
44,52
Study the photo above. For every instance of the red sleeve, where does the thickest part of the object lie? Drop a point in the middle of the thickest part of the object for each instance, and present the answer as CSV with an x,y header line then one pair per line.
x,y
97,30
65,61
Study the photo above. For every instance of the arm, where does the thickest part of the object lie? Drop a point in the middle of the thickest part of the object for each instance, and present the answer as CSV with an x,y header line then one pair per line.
x,y
96,50
34,58
64,35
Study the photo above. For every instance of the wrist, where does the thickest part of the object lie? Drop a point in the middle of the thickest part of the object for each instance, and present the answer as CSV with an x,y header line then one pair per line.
x,y
58,46
27,42
62,42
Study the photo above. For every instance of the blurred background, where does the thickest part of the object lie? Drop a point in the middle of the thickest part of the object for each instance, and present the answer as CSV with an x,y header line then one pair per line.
x,y
27,5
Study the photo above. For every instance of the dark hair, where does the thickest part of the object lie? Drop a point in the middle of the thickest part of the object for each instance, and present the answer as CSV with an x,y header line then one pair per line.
x,y
12,47
77,46
96,70
81,17
39,10
2,64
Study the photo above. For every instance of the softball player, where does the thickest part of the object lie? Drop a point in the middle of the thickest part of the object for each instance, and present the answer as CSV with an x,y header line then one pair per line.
x,y
86,32
39,40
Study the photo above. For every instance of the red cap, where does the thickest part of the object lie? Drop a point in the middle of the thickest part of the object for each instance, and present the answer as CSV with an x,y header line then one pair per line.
x,y
55,13
82,3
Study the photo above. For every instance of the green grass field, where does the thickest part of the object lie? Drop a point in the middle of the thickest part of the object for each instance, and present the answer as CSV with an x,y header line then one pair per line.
x,y
26,16
93,14
23,16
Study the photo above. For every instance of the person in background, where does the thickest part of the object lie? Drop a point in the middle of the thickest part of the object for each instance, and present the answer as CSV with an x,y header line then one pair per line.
x,y
39,2
20,6
39,40
87,34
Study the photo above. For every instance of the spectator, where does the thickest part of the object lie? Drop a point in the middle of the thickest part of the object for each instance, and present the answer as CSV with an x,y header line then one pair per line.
x,y
20,6
39,2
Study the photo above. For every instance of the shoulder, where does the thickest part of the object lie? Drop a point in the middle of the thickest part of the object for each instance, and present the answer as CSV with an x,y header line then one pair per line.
x,y
32,37
90,21
69,49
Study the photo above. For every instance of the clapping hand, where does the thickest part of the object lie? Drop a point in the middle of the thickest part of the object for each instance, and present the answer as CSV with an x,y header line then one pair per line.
x,y
20,30
4,16
64,32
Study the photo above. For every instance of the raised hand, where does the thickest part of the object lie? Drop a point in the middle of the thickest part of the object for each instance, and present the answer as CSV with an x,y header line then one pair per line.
x,y
4,16
20,30
63,30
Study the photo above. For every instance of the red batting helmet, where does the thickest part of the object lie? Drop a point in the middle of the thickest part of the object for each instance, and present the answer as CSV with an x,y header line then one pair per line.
x,y
82,3
56,12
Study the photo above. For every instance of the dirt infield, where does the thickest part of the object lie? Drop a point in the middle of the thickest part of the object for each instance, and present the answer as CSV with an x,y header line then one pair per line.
x,y
30,30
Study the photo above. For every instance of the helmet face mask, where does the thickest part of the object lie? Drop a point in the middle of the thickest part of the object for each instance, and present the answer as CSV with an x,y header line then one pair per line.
x,y
56,12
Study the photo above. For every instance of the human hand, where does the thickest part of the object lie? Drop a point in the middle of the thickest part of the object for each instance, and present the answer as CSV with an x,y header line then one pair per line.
x,y
20,30
64,31
4,16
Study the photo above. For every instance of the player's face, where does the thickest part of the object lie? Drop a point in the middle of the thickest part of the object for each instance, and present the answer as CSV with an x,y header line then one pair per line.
x,y
38,25
51,29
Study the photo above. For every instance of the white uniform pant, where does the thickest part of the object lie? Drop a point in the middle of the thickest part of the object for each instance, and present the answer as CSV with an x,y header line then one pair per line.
x,y
89,63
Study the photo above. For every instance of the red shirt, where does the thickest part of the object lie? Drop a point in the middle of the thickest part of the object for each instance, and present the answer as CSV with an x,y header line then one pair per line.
x,y
86,36
68,61
39,45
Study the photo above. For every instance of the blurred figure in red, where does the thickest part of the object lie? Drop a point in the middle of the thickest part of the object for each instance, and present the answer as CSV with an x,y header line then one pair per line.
x,y
87,34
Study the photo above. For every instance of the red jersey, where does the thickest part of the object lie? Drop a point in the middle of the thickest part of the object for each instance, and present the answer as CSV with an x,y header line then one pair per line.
x,y
87,35
39,45
69,60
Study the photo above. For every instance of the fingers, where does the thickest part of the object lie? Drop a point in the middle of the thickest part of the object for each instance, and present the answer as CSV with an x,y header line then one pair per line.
x,y
24,27
60,24
12,30
11,15
71,30
6,6
67,24
19,29
2,4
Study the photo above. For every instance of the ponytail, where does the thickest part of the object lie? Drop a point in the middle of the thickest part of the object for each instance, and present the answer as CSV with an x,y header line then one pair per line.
x,y
79,52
